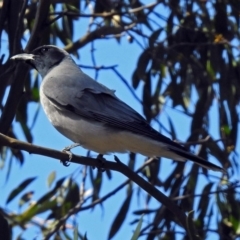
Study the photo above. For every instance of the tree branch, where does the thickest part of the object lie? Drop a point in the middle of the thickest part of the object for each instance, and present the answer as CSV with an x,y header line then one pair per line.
x,y
115,166
41,16
99,33
105,14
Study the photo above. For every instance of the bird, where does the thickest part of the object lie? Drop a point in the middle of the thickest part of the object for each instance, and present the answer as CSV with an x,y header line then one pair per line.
x,y
92,116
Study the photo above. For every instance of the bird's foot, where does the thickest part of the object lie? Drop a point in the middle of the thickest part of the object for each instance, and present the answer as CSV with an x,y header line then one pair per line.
x,y
101,162
69,153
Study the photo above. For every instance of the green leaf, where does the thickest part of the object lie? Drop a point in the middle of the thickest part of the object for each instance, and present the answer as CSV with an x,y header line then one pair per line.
x,y
226,129
51,178
210,69
35,94
35,89
191,232
72,197
121,216
85,237
37,208
25,198
154,37
140,72
135,79
204,202
235,224
96,183
138,229
19,189
144,211
52,192
75,234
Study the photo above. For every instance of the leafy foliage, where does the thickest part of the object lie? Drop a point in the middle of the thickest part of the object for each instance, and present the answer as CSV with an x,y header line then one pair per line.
x,y
189,62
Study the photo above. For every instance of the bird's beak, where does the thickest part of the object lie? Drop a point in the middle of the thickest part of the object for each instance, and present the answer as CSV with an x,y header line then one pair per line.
x,y
23,57
27,58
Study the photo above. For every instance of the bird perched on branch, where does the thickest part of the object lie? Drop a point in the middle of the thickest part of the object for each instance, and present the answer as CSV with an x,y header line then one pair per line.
x,y
91,115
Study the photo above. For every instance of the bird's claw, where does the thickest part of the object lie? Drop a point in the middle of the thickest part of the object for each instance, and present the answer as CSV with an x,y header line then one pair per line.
x,y
67,150
65,163
101,162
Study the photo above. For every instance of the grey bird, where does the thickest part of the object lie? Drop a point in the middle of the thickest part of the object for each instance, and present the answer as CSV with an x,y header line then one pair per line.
x,y
90,114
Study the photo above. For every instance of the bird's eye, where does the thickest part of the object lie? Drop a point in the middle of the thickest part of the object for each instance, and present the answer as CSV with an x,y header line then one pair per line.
x,y
43,50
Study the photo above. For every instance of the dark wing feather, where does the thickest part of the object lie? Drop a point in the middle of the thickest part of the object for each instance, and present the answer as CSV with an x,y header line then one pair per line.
x,y
108,109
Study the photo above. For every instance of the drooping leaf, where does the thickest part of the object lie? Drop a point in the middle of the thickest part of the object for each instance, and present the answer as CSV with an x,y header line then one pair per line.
x,y
140,72
204,202
19,189
121,216
138,229
154,37
25,198
75,233
144,211
51,178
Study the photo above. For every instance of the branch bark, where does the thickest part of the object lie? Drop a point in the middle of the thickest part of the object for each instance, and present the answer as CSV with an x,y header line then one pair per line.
x,y
115,166
99,33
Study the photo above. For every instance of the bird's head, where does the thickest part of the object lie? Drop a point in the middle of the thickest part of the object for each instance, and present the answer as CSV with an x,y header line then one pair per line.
x,y
43,58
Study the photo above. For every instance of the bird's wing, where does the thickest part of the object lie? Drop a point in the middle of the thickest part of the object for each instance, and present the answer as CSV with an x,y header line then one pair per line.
x,y
105,108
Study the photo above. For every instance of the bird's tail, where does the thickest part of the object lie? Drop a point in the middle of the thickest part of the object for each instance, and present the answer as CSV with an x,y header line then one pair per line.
x,y
198,160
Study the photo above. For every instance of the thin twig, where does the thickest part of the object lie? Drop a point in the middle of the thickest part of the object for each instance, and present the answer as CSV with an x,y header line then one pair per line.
x,y
99,33
127,85
102,199
97,67
105,14
61,221
205,193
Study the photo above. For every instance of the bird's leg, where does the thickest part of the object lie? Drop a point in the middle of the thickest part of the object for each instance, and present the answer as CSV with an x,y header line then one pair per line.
x,y
101,161
68,151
